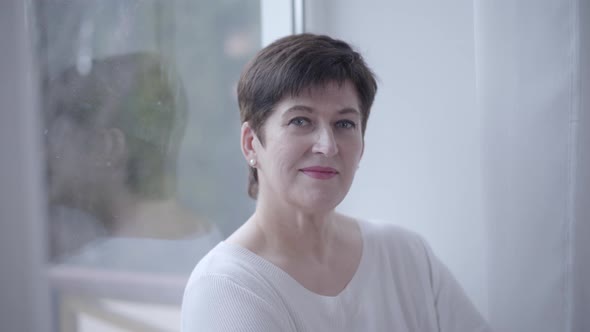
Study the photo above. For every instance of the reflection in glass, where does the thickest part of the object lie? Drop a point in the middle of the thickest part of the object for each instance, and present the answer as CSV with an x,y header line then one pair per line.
x,y
113,134
143,165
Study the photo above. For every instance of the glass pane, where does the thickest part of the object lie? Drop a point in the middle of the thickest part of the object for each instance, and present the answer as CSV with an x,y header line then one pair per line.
x,y
144,168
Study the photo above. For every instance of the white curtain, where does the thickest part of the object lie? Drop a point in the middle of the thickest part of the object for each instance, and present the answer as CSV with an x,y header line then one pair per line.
x,y
529,60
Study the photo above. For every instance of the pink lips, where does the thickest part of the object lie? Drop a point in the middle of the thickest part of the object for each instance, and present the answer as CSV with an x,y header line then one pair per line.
x,y
319,172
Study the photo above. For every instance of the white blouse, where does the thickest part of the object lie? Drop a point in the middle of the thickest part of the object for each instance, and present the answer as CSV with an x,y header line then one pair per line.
x,y
399,286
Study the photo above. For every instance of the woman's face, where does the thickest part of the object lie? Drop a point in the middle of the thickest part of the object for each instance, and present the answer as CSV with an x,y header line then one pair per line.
x,y
312,146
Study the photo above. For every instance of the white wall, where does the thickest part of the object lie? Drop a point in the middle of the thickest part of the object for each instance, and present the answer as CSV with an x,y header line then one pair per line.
x,y
421,167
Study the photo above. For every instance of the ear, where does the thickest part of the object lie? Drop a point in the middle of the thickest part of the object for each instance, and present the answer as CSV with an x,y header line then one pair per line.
x,y
249,142
114,146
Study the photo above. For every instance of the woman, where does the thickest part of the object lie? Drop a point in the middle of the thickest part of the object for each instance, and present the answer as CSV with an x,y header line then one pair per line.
x,y
296,264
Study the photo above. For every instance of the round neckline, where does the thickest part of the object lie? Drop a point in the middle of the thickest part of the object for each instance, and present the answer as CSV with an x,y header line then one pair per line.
x,y
276,271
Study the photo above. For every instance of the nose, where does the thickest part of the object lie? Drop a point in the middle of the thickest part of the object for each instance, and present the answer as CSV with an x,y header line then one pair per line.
x,y
325,143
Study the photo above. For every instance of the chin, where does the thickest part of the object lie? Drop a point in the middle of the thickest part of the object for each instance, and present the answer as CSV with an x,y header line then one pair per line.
x,y
320,202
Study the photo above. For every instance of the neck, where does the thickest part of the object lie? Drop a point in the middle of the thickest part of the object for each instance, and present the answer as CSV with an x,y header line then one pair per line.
x,y
115,208
127,214
293,232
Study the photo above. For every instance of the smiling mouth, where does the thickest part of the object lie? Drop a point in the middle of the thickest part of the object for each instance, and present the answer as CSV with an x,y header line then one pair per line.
x,y
320,173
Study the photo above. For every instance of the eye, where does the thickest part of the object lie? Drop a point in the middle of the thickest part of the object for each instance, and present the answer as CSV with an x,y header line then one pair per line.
x,y
299,122
345,124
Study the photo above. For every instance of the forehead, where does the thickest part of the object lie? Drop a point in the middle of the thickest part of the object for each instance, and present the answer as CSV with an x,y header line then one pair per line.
x,y
332,95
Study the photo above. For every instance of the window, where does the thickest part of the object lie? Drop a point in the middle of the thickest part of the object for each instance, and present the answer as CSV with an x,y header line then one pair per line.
x,y
141,131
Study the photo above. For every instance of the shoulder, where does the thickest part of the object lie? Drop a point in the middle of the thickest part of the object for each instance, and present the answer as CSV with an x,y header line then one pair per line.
x,y
227,264
403,251
225,293
390,236
220,303
412,262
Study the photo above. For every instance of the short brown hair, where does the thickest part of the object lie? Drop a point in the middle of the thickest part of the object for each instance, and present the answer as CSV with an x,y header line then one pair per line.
x,y
297,62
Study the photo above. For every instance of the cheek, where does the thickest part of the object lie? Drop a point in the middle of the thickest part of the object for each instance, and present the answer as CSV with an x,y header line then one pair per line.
x,y
282,161
353,149
286,151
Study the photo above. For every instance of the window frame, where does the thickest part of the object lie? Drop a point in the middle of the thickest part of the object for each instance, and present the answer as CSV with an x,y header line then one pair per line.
x,y
24,283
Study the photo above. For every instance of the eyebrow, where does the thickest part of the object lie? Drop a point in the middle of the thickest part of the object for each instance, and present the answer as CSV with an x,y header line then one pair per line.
x,y
347,110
